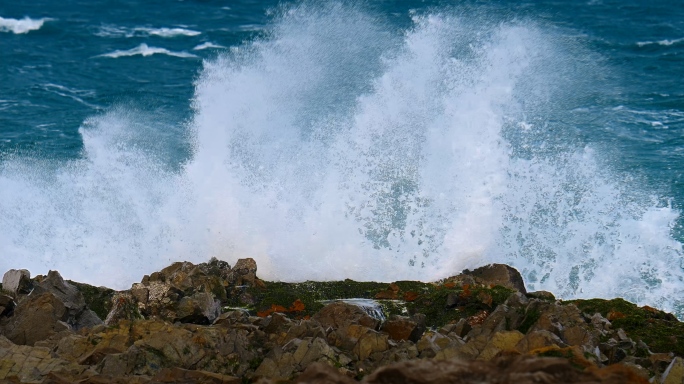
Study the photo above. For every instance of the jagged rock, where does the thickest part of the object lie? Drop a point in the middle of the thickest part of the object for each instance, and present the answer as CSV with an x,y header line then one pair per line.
x,y
538,339
301,330
275,322
499,342
499,274
232,318
460,329
36,319
7,305
674,374
339,315
17,281
403,328
67,293
200,308
243,273
30,364
180,292
77,315
124,307
368,341
432,343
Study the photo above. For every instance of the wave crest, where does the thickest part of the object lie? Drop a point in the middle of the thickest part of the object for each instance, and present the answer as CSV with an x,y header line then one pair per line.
x,y
21,26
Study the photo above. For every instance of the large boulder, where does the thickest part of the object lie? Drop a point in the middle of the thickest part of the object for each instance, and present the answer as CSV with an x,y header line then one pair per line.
x,y
340,314
404,328
243,273
36,319
499,274
17,281
77,314
180,292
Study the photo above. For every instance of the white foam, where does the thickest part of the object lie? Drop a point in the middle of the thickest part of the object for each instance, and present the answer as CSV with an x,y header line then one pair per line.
x,y
664,42
118,31
19,26
168,32
208,45
144,50
338,148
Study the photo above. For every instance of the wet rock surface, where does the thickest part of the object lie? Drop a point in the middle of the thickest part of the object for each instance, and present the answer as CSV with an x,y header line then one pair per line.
x,y
210,323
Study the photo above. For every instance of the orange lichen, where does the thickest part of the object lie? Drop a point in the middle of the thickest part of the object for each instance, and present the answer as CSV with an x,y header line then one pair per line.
x,y
614,315
410,296
297,306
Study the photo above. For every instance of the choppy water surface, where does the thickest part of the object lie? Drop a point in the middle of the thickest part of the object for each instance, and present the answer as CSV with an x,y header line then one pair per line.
x,y
375,141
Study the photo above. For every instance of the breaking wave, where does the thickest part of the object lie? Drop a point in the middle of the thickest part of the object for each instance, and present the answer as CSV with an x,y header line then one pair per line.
x,y
20,26
339,147
144,50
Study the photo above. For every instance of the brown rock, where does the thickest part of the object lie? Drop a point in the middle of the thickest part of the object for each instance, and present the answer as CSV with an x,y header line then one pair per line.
x,y
500,341
339,315
36,319
503,369
403,328
179,375
499,274
321,373
124,307
30,364
368,342
538,339
243,273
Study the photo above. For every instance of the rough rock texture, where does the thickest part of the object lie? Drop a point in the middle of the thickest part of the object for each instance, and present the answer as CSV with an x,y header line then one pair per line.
x,y
209,323
7,305
499,274
17,281
504,369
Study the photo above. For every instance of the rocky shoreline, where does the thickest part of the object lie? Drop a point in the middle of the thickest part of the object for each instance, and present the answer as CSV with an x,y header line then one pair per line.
x,y
213,323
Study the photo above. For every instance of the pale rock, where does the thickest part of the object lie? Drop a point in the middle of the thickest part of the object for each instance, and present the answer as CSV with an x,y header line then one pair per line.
x,y
674,374
17,281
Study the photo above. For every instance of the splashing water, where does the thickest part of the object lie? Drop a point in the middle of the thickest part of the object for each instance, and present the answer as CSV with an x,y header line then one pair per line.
x,y
336,147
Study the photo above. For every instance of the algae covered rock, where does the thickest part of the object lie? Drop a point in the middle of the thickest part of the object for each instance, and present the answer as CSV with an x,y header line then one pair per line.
x,y
499,274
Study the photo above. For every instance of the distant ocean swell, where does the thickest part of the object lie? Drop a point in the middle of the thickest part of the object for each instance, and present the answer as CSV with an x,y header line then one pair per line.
x,y
338,147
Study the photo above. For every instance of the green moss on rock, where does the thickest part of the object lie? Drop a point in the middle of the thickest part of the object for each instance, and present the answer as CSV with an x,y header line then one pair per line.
x,y
661,331
98,299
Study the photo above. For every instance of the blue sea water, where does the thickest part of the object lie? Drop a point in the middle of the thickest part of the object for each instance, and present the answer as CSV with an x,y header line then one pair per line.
x,y
376,140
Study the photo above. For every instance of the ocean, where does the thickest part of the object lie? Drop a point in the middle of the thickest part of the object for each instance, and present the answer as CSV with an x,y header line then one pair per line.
x,y
372,140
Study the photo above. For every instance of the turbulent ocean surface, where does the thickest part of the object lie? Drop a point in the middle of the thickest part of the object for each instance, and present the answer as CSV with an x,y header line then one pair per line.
x,y
376,140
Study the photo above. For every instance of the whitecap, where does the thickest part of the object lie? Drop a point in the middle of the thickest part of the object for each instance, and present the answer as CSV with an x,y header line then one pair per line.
x,y
168,32
21,26
145,50
208,45
664,42
118,31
